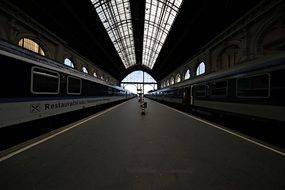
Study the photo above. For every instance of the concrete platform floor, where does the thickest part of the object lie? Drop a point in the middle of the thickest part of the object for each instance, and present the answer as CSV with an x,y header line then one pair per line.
x,y
162,150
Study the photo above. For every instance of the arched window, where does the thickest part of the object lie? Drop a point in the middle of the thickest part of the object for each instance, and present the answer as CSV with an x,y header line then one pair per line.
x,y
200,69
31,45
95,74
167,83
172,80
139,77
187,75
84,69
178,78
68,62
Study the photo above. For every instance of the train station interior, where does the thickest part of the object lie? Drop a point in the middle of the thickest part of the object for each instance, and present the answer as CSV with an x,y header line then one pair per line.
x,y
142,94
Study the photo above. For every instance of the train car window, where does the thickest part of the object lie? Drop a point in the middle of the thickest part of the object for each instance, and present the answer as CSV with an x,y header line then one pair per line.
x,y
44,81
257,86
110,91
73,85
219,89
179,93
200,91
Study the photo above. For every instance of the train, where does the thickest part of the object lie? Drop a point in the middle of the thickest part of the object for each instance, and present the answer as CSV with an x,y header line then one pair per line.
x,y
253,90
35,87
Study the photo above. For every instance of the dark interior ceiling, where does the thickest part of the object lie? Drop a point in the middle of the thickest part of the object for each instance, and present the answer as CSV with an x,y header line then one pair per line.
x,y
77,23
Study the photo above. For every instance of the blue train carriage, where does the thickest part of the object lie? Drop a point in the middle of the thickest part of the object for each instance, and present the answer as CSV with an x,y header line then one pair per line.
x,y
255,89
35,87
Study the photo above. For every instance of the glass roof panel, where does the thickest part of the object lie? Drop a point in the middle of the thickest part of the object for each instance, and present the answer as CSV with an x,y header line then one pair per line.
x,y
159,17
116,18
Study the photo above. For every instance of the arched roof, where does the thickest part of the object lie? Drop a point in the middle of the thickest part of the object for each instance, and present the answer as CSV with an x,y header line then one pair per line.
x,y
78,24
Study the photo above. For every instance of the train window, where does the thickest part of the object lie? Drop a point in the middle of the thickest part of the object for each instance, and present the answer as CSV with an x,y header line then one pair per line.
x,y
254,86
171,93
179,93
44,81
73,85
200,91
110,91
219,89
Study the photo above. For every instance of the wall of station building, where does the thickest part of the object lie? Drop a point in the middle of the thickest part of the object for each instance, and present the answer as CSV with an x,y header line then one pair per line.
x,y
258,34
16,25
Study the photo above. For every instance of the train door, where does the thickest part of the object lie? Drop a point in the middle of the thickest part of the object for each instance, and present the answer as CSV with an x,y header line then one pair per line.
x,y
186,96
191,95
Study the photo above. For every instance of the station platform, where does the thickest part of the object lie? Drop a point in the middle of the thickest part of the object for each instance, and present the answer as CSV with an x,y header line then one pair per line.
x,y
164,149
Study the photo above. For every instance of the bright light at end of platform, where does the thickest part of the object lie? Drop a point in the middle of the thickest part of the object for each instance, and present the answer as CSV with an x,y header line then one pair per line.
x,y
133,89
135,80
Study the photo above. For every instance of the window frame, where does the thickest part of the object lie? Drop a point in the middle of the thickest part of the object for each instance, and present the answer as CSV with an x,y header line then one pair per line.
x,y
198,68
178,76
195,90
40,51
250,76
220,96
188,71
57,75
67,85
172,80
85,68
71,62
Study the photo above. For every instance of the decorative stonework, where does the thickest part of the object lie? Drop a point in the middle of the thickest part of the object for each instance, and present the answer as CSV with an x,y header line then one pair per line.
x,y
15,25
259,33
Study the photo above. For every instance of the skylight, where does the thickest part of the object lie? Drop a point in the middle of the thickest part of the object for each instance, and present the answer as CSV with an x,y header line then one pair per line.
x,y
159,17
116,18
